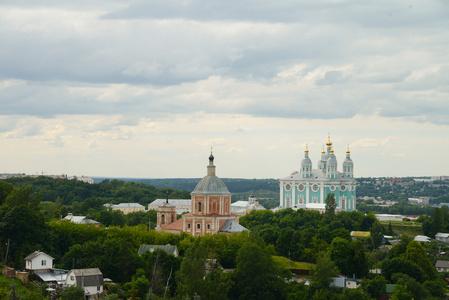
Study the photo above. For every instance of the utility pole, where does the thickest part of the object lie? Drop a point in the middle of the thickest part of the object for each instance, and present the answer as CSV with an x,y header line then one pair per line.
x,y
7,249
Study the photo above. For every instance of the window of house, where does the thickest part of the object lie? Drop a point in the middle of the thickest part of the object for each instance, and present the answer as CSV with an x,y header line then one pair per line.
x,y
98,288
72,278
44,262
198,226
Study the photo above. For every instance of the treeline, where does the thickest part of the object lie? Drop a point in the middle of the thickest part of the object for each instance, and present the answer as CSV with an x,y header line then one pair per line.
x,y
109,191
397,209
237,185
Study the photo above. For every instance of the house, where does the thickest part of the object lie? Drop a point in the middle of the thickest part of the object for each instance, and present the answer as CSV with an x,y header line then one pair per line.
x,y
442,237
38,262
442,266
81,220
169,249
245,207
90,280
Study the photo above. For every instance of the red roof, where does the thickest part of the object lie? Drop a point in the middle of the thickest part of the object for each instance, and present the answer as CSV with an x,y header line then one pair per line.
x,y
177,225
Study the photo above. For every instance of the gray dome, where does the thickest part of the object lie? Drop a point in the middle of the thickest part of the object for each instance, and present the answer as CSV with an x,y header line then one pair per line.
x,y
211,185
306,161
332,160
348,161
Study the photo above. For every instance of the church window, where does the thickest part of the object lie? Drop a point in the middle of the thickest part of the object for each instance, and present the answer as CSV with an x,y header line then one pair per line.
x,y
172,218
332,188
208,226
301,187
199,206
343,188
288,187
163,219
188,225
198,226
315,187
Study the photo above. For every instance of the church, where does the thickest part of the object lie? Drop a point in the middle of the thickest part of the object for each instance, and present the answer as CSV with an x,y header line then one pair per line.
x,y
210,209
309,187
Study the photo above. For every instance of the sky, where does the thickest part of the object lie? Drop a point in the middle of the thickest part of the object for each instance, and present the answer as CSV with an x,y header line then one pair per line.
x,y
146,88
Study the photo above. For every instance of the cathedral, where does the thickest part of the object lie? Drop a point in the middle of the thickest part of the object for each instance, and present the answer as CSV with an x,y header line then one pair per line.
x,y
309,187
210,209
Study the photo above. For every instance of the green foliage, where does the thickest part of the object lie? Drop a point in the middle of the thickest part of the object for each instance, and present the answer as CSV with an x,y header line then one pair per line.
x,y
256,275
324,270
377,233
374,287
331,205
72,293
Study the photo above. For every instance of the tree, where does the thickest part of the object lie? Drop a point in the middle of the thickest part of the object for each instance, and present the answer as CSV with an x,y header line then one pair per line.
x,y
375,287
331,204
256,275
377,233
417,254
340,252
323,271
72,293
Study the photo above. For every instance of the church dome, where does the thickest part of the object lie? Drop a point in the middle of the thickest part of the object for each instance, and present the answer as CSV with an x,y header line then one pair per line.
x,y
348,161
306,161
211,185
332,160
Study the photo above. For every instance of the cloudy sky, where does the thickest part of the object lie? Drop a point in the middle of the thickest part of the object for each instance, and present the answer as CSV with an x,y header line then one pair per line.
x,y
145,88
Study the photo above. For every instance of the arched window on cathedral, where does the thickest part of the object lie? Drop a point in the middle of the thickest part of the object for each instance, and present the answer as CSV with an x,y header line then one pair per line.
x,y
162,219
199,206
172,218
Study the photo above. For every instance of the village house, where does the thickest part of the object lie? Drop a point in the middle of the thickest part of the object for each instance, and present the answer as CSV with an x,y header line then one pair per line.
x,y
90,280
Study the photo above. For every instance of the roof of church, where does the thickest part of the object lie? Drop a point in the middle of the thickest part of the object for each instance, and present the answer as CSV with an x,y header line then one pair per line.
x,y
175,202
176,225
318,175
211,184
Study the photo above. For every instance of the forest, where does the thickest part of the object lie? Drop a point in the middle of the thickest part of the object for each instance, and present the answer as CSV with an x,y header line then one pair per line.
x,y
238,266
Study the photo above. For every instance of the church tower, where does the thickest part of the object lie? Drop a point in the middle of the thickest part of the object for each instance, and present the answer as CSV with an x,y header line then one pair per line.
x,y
306,165
348,165
166,214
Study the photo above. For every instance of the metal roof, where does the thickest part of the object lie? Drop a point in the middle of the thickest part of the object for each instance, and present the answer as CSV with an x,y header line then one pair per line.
x,y
170,249
128,205
231,226
175,202
88,277
36,254
211,184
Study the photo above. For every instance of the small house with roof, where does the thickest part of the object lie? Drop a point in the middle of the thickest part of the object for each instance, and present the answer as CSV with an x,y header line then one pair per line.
x,y
38,262
442,237
169,249
90,280
442,265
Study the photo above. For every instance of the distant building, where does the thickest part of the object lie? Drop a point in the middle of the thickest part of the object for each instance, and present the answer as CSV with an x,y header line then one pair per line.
x,y
82,178
210,209
387,217
181,205
422,239
127,208
81,220
309,187
169,249
419,201
442,266
245,207
442,237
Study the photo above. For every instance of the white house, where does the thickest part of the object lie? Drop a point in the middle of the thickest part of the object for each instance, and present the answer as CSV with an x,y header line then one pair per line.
x,y
91,280
442,237
81,220
38,261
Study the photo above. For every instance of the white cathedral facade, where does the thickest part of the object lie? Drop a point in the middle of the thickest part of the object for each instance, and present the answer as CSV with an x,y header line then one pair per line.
x,y
309,187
